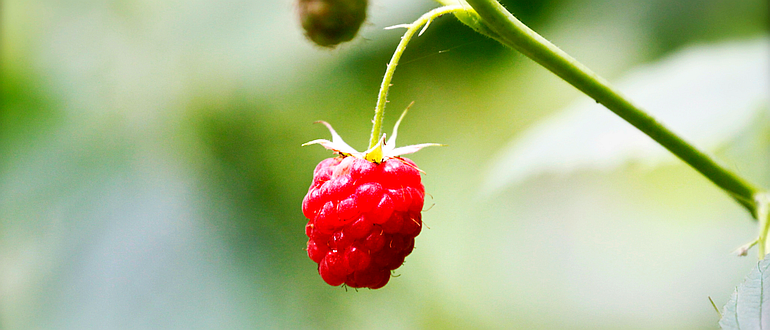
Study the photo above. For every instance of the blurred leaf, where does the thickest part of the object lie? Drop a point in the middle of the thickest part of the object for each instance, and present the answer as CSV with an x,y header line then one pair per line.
x,y
707,94
749,306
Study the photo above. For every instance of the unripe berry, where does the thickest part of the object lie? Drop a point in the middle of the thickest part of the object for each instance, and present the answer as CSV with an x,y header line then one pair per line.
x,y
330,22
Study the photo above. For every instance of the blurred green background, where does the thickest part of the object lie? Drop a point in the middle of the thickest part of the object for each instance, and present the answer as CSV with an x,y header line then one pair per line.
x,y
151,173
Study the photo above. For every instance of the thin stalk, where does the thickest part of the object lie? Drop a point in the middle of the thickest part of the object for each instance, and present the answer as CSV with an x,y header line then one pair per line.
x,y
382,97
763,215
520,37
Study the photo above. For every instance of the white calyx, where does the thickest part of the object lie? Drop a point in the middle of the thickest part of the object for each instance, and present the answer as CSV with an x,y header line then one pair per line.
x,y
382,150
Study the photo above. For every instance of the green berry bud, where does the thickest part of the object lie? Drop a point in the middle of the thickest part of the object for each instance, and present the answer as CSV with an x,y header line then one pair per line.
x,y
330,22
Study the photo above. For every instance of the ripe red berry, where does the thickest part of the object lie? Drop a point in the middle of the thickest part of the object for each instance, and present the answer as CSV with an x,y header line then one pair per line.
x,y
362,218
363,211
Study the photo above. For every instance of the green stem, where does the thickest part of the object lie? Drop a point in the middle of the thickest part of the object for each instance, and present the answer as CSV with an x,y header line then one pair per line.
x,y
763,215
382,97
520,37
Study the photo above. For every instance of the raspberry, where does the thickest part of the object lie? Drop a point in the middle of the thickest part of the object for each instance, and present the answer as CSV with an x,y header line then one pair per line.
x,y
363,218
363,211
330,22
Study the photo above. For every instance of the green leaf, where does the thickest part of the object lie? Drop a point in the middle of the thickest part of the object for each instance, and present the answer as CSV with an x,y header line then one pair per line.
x,y
749,306
706,94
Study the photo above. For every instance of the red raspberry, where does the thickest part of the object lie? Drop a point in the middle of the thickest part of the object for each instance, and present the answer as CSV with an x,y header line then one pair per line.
x,y
363,218
363,210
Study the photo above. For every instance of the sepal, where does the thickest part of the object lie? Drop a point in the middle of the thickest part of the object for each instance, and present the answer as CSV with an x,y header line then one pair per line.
x,y
336,144
377,154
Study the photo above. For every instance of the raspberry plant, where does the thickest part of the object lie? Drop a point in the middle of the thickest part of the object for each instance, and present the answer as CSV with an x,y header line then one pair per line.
x,y
490,18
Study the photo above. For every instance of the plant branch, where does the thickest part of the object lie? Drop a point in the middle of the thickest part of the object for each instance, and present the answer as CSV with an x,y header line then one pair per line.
x,y
382,97
515,34
763,215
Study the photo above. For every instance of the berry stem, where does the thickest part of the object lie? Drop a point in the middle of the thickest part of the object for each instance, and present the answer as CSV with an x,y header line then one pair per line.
x,y
763,215
513,33
382,97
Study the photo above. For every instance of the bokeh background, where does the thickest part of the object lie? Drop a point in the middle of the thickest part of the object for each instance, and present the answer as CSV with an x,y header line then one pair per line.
x,y
151,173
